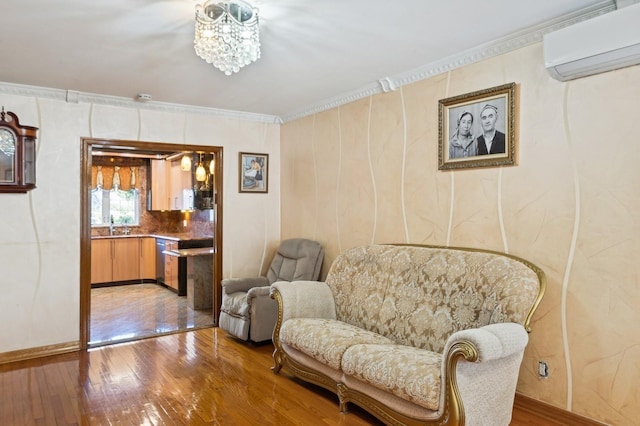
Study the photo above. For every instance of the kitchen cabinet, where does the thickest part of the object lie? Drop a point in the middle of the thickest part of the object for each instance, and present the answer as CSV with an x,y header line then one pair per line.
x,y
159,196
122,259
101,261
171,267
126,259
171,187
174,272
181,189
147,247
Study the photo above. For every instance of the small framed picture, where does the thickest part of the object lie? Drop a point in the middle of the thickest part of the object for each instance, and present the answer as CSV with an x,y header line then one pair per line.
x,y
478,129
254,172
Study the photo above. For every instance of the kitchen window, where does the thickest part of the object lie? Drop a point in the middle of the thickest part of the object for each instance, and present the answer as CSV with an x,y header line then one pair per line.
x,y
115,206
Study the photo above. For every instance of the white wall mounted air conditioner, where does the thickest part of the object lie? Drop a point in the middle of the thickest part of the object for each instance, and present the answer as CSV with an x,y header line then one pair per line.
x,y
605,43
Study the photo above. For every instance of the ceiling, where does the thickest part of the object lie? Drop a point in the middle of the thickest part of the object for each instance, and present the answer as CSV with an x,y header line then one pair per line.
x,y
314,52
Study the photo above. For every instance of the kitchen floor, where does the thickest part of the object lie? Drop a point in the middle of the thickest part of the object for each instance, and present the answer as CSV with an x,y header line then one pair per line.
x,y
129,312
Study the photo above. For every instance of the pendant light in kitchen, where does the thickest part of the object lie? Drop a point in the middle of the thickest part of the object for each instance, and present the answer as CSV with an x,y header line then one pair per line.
x,y
201,173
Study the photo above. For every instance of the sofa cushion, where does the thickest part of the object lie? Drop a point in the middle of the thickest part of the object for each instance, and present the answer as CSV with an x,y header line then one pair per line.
x,y
326,340
407,372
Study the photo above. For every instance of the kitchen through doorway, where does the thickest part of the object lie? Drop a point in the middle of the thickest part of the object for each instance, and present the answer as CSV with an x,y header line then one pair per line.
x,y
138,195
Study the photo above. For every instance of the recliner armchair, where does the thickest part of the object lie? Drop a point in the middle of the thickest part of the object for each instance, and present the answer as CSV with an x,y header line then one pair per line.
x,y
247,311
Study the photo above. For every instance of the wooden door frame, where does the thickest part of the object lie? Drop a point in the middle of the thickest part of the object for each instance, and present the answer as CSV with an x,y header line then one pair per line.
x,y
85,222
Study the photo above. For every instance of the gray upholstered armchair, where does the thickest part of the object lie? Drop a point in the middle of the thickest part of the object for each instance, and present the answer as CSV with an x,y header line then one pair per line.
x,y
247,311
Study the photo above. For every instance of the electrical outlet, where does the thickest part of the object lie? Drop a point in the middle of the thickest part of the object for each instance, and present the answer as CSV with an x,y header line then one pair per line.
x,y
543,369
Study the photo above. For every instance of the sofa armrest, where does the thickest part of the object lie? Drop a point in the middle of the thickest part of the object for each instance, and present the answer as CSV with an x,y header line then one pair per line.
x,y
304,299
493,341
483,358
257,292
234,285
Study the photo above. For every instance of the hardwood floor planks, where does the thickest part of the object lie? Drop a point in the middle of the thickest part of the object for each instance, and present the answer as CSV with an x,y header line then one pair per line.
x,y
201,377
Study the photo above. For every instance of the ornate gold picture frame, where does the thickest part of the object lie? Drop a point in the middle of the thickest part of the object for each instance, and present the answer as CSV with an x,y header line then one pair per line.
x,y
478,129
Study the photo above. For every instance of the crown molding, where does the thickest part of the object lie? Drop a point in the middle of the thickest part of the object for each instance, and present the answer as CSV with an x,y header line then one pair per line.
x,y
72,96
498,47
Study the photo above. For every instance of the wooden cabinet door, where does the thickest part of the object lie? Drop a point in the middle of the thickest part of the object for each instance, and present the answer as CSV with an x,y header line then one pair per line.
x,y
160,185
180,181
175,194
126,259
187,190
147,247
101,261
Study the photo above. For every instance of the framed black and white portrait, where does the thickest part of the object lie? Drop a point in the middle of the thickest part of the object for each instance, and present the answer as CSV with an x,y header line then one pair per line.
x,y
478,129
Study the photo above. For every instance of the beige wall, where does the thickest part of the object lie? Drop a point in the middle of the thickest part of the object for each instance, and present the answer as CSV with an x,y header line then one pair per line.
x,y
40,230
367,172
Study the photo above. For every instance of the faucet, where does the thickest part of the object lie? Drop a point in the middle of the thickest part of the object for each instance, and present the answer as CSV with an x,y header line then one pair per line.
x,y
126,230
111,226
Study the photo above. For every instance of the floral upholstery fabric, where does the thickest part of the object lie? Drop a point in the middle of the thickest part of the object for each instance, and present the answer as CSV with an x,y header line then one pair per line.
x,y
419,296
399,308
409,373
326,340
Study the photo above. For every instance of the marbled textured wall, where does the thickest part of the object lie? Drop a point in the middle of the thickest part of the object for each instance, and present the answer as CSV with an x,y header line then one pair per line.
x,y
367,172
40,230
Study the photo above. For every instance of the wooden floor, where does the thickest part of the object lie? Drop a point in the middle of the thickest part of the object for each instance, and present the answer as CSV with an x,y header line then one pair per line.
x,y
126,312
192,378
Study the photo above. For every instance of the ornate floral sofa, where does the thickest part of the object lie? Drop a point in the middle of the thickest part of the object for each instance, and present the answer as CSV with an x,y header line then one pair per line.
x,y
413,334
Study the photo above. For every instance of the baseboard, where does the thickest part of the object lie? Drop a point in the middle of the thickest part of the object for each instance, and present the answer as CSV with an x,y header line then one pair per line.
x,y
24,354
127,282
549,412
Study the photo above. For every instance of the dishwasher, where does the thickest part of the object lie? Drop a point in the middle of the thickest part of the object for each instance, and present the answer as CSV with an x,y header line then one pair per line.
x,y
160,247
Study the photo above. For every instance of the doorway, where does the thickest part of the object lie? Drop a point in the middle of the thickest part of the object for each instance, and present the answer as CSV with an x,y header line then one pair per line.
x,y
146,291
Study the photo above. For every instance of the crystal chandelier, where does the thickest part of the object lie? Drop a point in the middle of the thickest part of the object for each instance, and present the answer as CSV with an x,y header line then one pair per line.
x,y
227,34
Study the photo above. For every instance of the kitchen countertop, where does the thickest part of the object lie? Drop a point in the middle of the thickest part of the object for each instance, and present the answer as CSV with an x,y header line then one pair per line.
x,y
167,236
182,237
204,251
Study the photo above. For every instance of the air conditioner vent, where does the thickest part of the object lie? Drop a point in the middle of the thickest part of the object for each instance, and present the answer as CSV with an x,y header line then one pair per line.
x,y
601,44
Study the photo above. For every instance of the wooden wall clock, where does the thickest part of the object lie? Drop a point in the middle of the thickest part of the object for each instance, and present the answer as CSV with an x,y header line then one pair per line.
x,y
17,154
